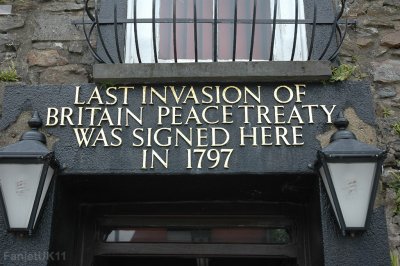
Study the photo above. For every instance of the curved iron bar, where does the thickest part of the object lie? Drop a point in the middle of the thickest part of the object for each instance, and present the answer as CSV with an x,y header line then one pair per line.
x,y
335,54
215,33
253,30
174,32
87,37
313,31
136,31
116,32
343,7
296,23
333,30
90,15
235,31
271,55
95,22
196,55
96,15
328,44
153,23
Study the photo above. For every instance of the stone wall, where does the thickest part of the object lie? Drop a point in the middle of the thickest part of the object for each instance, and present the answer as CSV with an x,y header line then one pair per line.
x,y
40,40
374,47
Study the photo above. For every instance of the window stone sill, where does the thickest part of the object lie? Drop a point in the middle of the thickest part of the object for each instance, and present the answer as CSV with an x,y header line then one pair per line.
x,y
308,71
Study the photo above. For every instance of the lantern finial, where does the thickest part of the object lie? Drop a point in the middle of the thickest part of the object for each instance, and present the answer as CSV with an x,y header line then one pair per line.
x,y
341,124
34,134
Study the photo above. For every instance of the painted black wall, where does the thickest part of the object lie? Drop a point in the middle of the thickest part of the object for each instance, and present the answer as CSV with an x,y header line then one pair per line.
x,y
371,248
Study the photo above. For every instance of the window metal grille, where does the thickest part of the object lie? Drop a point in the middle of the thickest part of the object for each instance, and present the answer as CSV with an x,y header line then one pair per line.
x,y
94,27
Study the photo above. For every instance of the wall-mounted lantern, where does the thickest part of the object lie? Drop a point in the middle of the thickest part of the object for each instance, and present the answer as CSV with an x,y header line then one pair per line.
x,y
350,170
26,171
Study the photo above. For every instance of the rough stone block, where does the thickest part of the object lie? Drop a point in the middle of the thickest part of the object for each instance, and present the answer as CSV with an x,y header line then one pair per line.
x,y
46,58
57,7
391,40
68,74
5,9
6,42
57,27
8,23
391,3
387,92
76,47
386,71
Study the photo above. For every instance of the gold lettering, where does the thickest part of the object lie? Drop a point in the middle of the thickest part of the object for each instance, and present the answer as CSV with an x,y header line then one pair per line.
x,y
276,94
297,135
112,96
95,96
193,116
116,137
155,155
281,133
93,111
246,112
252,136
66,113
328,113
52,119
176,113
299,92
310,112
295,115
279,112
225,97
162,114
126,89
105,117
265,135
201,137
83,135
188,140
191,95
162,98
204,116
138,137
156,138
226,114
130,114
257,97
224,136
101,136
144,90
80,111
77,91
206,94
177,98
262,114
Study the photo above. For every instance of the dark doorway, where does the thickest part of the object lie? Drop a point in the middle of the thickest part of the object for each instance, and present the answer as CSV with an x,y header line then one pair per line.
x,y
167,261
203,220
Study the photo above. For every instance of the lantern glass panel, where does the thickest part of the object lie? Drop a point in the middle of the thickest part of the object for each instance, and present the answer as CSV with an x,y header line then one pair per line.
x,y
49,176
19,185
353,183
324,179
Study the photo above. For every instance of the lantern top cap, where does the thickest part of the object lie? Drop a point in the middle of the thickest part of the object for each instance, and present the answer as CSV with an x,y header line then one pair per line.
x,y
341,123
34,134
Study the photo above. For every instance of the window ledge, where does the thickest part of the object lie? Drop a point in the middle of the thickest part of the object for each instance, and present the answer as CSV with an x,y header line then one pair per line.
x,y
307,71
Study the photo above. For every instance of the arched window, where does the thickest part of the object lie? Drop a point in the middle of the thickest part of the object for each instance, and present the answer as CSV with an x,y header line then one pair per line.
x,y
215,30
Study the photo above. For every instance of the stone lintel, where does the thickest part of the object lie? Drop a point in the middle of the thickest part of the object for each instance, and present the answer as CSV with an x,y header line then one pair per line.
x,y
307,71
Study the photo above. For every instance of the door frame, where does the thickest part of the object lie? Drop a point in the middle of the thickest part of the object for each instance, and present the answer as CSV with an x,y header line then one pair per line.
x,y
270,215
